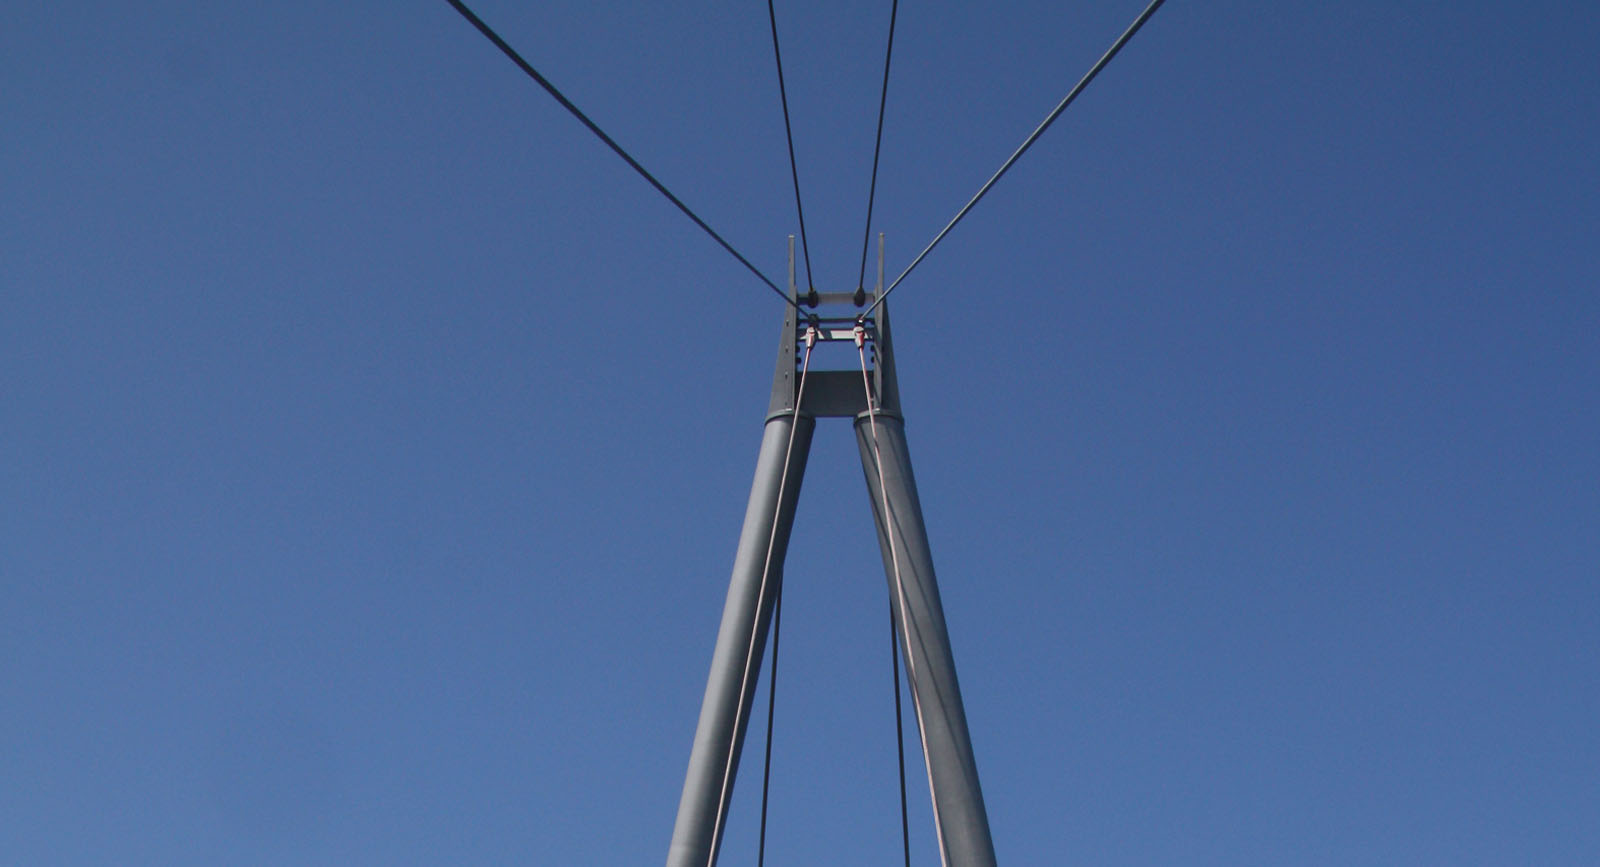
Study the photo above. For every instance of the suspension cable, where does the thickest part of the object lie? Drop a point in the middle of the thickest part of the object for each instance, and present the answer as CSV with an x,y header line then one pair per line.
x,y
611,143
900,587
1028,142
877,146
761,596
794,171
899,732
772,699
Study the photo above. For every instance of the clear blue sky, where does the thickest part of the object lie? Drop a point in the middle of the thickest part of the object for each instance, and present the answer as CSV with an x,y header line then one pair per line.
x,y
375,443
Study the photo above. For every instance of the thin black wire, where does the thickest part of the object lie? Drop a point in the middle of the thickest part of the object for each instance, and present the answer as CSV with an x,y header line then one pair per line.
x,y
899,732
772,698
877,145
576,112
794,171
1027,143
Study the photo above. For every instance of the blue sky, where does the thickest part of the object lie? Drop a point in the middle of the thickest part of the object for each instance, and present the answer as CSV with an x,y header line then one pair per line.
x,y
376,443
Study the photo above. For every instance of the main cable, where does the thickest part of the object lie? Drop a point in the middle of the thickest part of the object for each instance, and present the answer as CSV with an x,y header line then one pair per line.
x,y
794,171
877,146
1027,143
611,143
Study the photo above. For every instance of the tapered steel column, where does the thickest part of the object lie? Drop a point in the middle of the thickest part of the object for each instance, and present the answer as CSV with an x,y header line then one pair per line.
x,y
747,609
958,801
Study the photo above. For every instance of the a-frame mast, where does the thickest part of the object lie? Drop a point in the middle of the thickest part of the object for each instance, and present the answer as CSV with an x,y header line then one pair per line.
x,y
758,571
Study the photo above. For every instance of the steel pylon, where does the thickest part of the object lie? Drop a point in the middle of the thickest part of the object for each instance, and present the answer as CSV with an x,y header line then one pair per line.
x,y
880,433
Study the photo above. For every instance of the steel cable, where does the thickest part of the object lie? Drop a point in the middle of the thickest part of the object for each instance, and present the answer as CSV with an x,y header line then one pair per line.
x,y
899,733
1027,143
611,143
794,171
772,700
877,146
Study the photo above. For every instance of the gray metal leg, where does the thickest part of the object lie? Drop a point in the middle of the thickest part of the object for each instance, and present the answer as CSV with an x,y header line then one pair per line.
x,y
958,801
695,834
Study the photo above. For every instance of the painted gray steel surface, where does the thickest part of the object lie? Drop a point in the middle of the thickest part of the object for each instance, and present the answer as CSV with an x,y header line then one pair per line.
x,y
931,668
715,737
963,822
